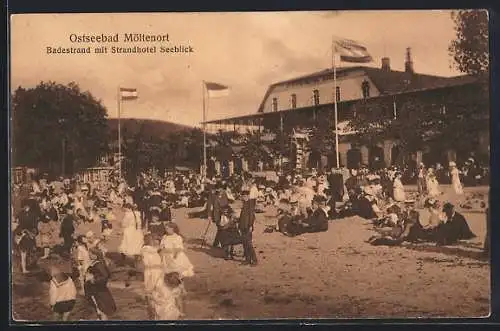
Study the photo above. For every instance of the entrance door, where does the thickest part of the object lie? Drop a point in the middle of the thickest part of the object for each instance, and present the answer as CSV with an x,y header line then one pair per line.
x,y
376,158
353,158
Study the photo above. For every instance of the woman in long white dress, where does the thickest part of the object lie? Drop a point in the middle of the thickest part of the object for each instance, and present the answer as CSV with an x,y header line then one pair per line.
x,y
133,238
455,179
432,184
399,189
172,252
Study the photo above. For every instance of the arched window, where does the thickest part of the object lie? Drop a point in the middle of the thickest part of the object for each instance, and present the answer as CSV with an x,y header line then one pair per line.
x,y
316,97
294,101
365,87
275,104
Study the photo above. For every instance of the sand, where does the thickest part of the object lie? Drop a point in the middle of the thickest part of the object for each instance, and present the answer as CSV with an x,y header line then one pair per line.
x,y
335,274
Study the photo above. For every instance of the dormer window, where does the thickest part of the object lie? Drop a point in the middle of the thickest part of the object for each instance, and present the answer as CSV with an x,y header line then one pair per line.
x,y
443,110
293,100
275,104
316,97
365,87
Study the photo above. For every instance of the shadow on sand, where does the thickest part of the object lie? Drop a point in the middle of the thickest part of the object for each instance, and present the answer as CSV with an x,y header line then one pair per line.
x,y
200,245
457,251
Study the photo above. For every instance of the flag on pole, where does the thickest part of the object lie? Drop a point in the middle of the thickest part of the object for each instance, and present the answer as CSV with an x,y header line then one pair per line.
x,y
128,93
352,51
216,90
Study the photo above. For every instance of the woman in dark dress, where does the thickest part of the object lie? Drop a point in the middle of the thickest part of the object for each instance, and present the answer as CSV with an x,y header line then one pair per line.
x,y
96,289
228,233
25,234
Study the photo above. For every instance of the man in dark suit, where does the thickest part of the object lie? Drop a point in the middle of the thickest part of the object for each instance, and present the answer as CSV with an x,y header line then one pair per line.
x,y
215,204
318,221
245,225
166,212
454,229
336,183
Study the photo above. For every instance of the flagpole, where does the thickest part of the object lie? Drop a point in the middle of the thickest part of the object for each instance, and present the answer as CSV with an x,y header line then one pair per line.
x,y
335,104
204,171
119,134
394,109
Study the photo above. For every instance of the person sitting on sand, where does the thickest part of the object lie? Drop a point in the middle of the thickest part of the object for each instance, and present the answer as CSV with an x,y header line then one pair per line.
x,y
455,227
290,220
316,222
436,216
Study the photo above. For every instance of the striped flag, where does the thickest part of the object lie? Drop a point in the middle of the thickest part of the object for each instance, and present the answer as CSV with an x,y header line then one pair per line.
x,y
128,93
352,51
216,90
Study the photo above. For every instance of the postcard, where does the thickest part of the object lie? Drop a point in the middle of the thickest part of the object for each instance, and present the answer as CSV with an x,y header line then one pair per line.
x,y
256,165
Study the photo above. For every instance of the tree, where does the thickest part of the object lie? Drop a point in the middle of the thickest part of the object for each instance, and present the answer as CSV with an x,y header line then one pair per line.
x,y
253,149
438,119
321,140
54,124
470,49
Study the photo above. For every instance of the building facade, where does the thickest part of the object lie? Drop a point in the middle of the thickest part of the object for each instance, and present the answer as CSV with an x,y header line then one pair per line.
x,y
295,106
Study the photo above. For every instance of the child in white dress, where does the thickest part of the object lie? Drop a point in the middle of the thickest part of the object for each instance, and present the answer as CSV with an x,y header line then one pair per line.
x,y
82,259
455,179
153,270
172,252
167,297
432,184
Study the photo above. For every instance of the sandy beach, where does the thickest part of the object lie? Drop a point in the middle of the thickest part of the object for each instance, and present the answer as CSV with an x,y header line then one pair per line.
x,y
335,274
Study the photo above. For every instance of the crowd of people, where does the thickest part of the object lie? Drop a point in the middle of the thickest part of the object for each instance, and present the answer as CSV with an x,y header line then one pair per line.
x,y
49,213
48,216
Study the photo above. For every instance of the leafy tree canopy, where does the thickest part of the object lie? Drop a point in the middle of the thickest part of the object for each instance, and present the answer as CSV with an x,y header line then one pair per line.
x,y
52,120
470,48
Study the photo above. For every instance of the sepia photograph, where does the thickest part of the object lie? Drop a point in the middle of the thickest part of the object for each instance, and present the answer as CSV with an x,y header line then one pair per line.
x,y
249,165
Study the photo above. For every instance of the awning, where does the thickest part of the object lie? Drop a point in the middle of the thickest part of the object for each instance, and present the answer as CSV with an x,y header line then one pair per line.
x,y
267,137
344,128
181,168
237,149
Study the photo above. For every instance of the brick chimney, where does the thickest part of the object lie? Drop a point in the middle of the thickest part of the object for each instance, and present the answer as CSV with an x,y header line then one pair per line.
x,y
408,62
386,64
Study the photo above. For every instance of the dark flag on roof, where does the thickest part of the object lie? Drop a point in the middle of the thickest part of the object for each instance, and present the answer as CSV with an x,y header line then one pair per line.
x,y
352,51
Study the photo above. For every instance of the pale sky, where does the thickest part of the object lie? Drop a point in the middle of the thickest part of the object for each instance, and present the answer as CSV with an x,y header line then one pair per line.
x,y
246,51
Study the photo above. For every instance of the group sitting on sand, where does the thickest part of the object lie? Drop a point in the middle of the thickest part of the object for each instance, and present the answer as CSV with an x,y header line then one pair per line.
x,y
443,225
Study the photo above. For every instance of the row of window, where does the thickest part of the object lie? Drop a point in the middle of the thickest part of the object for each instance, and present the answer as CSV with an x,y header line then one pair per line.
x,y
365,87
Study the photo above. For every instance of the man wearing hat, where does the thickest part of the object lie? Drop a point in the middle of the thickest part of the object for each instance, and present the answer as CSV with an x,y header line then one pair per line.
x,y
353,187
245,225
289,223
318,221
454,228
68,228
253,192
165,213
215,204
421,176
